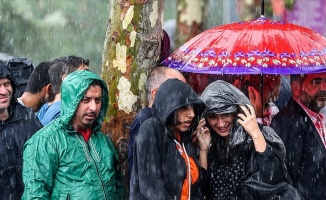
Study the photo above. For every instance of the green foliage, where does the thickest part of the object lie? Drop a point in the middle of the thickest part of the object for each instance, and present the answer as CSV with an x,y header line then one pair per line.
x,y
43,30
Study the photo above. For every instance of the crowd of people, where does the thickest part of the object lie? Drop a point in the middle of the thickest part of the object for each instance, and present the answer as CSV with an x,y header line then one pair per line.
x,y
229,142
51,142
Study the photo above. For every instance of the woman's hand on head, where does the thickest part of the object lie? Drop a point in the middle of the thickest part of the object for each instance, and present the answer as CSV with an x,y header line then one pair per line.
x,y
248,120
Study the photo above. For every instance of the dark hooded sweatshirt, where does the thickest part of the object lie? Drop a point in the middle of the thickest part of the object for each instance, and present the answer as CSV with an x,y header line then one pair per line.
x,y
14,132
159,170
235,169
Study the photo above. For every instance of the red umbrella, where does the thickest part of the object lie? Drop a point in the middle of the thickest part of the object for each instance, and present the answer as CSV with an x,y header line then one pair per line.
x,y
261,46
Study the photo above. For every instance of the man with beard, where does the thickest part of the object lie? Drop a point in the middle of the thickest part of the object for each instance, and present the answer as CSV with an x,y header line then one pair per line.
x,y
71,158
301,126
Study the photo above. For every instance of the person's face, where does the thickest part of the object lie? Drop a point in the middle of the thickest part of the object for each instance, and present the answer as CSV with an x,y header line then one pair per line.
x,y
221,123
185,116
271,86
313,91
88,108
6,91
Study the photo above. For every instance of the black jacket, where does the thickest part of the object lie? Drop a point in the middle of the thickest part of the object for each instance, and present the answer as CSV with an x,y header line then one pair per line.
x,y
14,132
159,170
306,154
256,176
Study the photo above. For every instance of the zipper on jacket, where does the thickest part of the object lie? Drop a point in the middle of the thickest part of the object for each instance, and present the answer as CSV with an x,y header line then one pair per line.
x,y
91,159
188,167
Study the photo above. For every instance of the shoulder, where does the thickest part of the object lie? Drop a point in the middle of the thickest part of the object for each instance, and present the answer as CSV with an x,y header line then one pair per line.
x,y
52,112
150,128
143,115
291,115
151,124
270,135
26,116
46,134
54,108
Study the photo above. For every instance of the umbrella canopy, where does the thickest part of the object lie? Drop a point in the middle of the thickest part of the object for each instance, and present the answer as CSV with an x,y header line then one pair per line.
x,y
261,46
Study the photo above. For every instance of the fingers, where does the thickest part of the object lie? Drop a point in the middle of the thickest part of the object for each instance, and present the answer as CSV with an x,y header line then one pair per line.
x,y
248,111
201,131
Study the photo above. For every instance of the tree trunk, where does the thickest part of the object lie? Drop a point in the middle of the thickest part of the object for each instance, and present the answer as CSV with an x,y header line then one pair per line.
x,y
132,48
190,15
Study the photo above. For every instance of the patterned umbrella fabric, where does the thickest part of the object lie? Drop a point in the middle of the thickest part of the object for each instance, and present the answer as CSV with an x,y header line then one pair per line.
x,y
261,46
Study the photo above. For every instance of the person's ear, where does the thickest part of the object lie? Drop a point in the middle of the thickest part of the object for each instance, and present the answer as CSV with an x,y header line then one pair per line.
x,y
48,88
63,77
237,83
296,87
153,93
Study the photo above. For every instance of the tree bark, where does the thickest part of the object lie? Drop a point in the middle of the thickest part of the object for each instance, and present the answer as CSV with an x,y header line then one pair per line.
x,y
190,15
132,48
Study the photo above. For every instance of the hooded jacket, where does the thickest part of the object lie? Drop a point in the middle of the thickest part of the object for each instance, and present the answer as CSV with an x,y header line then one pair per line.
x,y
14,132
159,170
60,164
263,175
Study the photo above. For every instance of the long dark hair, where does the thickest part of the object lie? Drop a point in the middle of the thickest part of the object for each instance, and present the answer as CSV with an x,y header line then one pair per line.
x,y
220,150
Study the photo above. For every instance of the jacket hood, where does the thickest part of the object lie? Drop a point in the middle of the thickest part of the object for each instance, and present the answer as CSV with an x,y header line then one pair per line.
x,y
222,97
172,95
73,89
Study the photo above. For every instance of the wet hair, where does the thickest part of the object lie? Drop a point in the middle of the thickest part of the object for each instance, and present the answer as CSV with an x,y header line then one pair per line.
x,y
172,119
220,147
97,83
63,66
39,78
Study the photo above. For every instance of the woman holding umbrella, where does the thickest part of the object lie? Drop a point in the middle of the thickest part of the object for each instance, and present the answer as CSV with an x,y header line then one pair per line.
x,y
243,160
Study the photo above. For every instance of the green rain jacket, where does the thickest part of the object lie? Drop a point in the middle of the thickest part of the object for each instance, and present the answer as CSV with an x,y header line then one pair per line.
x,y
59,164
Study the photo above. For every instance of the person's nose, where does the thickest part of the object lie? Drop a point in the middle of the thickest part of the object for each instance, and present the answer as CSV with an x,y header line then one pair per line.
x,y
3,90
323,85
92,105
220,122
191,114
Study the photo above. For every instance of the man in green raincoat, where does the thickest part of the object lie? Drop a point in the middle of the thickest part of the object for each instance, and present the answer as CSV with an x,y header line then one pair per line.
x,y
71,158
